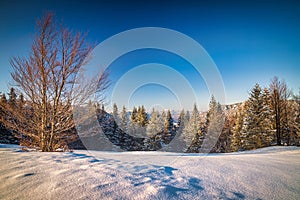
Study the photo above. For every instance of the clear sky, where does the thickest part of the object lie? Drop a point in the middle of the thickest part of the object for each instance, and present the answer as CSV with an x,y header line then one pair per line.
x,y
250,41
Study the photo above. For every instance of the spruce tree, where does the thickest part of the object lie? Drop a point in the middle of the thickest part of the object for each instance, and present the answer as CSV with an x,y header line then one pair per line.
x,y
155,125
182,121
293,110
124,119
134,128
168,128
181,118
133,116
115,113
142,117
187,117
235,143
12,97
214,126
192,132
267,134
252,129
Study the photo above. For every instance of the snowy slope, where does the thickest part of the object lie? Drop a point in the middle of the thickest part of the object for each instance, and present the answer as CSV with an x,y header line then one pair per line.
x,y
270,173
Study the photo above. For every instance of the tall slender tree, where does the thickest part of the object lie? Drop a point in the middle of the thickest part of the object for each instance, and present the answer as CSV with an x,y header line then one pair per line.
x,y
252,129
192,132
235,144
214,126
268,135
168,128
279,96
124,119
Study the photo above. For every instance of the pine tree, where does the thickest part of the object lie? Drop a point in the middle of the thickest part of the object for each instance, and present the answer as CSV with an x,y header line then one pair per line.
x,y
187,118
252,129
155,124
293,110
124,120
214,126
223,142
267,134
168,128
134,128
115,113
142,117
192,132
181,145
181,118
12,98
133,116
235,144
123,128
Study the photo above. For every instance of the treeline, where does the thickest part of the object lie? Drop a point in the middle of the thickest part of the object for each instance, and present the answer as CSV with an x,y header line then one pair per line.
x,y
269,117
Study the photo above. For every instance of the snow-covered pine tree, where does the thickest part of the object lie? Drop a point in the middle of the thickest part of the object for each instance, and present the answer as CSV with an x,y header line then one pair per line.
x,y
223,142
235,140
154,130
134,127
123,126
155,124
115,114
192,132
179,132
133,116
267,117
142,117
142,121
168,128
252,128
181,118
214,123
293,110
124,120
187,117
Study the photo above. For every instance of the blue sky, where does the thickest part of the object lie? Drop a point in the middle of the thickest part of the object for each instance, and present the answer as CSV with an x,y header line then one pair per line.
x,y
250,41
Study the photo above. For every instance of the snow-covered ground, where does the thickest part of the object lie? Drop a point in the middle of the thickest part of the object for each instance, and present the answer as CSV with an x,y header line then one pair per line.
x,y
270,173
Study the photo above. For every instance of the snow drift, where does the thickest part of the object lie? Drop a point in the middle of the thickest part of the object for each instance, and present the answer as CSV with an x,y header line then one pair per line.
x,y
270,173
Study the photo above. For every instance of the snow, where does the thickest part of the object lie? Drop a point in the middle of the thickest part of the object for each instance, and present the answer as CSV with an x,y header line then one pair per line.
x,y
269,173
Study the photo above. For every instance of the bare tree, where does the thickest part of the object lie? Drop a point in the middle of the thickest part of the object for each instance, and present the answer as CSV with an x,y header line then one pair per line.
x,y
48,78
279,99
